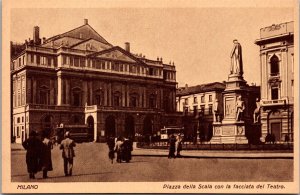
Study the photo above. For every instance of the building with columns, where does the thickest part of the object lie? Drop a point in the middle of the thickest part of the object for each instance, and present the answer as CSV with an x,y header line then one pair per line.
x,y
78,78
276,45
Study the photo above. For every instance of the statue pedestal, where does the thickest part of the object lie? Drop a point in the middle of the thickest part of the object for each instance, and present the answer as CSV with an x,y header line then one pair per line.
x,y
229,133
230,130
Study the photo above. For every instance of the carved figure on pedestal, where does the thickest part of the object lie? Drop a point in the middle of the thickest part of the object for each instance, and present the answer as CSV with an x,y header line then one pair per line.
x,y
240,107
256,114
236,59
216,111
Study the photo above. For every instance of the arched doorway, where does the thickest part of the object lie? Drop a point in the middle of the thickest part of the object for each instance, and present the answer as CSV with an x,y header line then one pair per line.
x,y
275,124
129,127
90,123
110,126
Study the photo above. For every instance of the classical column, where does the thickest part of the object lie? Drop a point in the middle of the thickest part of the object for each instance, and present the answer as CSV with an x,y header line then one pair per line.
x,y
90,93
68,94
127,95
105,94
33,90
84,99
141,97
109,94
52,95
145,98
60,89
123,96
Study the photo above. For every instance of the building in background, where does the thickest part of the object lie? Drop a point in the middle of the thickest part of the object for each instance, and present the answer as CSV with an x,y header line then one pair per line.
x,y
277,80
196,103
78,78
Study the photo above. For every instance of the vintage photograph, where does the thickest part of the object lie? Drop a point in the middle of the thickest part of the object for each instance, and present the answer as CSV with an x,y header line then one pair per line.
x,y
153,94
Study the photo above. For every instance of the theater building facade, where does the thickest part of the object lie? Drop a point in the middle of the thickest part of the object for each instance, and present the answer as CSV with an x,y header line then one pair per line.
x,y
277,81
78,78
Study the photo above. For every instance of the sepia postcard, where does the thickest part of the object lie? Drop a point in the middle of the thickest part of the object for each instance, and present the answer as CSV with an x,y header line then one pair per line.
x,y
150,96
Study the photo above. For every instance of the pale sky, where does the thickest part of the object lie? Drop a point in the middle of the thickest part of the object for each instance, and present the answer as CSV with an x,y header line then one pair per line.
x,y
198,40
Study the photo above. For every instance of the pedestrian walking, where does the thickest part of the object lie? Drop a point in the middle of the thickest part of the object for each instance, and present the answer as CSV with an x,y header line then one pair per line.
x,y
126,150
67,146
33,146
111,147
46,154
178,145
118,148
172,141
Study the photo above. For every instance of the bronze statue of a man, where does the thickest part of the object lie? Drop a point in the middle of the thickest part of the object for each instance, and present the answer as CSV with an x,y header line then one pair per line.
x,y
236,59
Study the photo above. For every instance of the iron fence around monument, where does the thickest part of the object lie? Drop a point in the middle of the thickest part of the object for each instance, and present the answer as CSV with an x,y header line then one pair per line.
x,y
286,146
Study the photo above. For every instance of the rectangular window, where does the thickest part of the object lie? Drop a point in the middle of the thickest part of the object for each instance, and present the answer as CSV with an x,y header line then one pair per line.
x,y
49,61
64,60
76,61
82,62
121,67
195,110
202,99
55,61
20,62
31,58
22,119
210,98
195,100
18,120
38,59
98,64
18,132
24,60
71,61
151,71
186,101
210,109
103,65
274,93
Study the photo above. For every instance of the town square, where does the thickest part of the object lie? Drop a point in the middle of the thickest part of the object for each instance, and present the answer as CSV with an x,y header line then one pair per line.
x,y
154,95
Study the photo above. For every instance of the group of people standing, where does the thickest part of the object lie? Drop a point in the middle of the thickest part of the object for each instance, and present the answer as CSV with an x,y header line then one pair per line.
x,y
175,146
122,146
38,155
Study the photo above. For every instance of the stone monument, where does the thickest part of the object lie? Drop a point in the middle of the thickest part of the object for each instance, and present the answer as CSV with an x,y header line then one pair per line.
x,y
232,128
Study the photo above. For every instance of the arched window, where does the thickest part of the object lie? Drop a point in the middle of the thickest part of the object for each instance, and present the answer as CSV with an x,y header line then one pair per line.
x,y
274,65
44,95
152,101
98,97
76,97
134,100
117,98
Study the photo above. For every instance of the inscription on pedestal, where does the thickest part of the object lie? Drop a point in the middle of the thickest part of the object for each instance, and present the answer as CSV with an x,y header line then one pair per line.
x,y
228,130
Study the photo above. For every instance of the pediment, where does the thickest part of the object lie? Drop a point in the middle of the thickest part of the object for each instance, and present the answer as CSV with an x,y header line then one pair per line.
x,y
117,54
91,45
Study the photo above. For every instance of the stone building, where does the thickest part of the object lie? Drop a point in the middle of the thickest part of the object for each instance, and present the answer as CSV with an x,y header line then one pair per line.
x,y
276,44
78,78
196,103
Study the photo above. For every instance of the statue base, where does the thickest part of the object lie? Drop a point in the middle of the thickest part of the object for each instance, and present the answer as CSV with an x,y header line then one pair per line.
x,y
229,133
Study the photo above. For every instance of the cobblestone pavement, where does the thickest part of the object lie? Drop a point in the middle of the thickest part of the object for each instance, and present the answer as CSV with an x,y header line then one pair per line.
x,y
91,164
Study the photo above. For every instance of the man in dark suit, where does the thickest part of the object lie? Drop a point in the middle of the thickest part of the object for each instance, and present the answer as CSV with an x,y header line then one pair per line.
x,y
67,146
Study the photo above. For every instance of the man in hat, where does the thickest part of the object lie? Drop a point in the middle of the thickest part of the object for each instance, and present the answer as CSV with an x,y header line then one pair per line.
x,y
33,146
67,146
